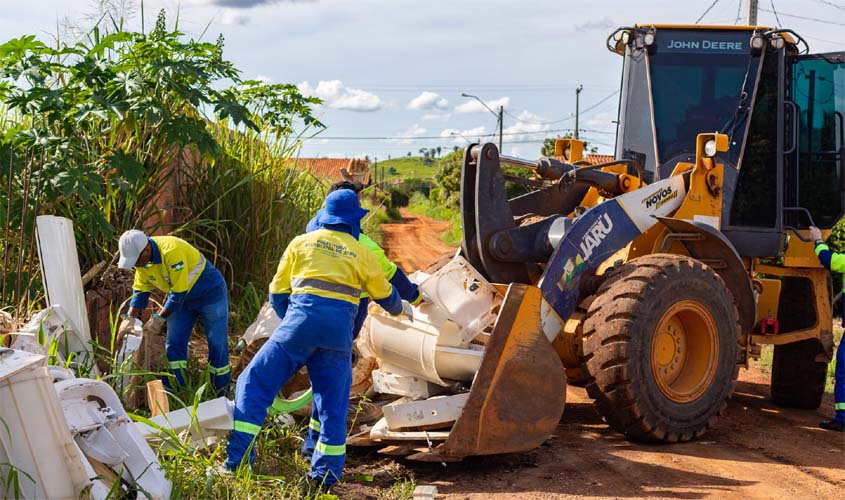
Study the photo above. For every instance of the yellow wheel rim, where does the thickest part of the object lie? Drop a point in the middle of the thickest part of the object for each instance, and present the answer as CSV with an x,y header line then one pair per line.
x,y
685,351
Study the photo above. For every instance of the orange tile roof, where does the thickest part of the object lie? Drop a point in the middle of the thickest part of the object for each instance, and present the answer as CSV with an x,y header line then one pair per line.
x,y
597,159
328,169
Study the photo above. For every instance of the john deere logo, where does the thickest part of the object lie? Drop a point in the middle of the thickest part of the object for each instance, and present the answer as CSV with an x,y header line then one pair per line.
x,y
660,198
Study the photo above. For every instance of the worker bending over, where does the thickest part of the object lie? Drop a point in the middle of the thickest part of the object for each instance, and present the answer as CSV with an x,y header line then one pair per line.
x,y
194,288
315,292
834,262
407,291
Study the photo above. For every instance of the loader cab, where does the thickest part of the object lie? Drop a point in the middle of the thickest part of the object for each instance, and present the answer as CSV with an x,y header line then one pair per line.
x,y
781,111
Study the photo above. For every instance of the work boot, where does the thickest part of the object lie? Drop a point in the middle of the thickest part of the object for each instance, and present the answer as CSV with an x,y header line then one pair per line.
x,y
833,425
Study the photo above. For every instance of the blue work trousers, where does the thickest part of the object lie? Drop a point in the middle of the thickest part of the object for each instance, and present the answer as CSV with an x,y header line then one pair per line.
x,y
839,382
330,372
211,306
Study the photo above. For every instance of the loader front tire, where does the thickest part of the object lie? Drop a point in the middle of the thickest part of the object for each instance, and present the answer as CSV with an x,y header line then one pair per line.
x,y
661,347
798,378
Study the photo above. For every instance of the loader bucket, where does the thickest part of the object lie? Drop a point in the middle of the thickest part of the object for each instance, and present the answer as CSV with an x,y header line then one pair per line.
x,y
519,392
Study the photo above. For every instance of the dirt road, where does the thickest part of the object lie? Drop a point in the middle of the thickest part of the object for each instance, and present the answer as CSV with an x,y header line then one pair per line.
x,y
756,451
413,243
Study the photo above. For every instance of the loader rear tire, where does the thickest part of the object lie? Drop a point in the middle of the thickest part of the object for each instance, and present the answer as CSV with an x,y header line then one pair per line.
x,y
661,345
798,380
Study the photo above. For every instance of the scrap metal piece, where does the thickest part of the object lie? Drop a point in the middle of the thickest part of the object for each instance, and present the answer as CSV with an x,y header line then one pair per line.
x,y
381,432
432,411
404,385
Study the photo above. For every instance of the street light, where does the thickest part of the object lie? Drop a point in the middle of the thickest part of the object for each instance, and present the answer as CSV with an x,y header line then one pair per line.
x,y
458,134
499,116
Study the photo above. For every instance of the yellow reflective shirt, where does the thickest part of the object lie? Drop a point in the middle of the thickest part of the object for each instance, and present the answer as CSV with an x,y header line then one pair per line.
x,y
330,264
388,267
180,266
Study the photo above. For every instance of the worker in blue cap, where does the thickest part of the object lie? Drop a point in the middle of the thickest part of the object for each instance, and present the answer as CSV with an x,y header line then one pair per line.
x,y
406,288
315,292
195,290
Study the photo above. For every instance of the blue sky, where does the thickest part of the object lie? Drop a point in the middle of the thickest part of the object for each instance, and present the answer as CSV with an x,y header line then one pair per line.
x,y
391,71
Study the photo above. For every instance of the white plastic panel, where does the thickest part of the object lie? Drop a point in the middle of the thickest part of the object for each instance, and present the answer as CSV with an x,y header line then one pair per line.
x,y
62,277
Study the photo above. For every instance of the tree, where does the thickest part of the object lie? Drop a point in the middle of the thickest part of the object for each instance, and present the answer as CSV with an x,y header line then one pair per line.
x,y
107,114
448,177
409,154
438,151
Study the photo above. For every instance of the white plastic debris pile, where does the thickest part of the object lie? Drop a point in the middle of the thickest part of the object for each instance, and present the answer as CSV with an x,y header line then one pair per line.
x,y
69,439
440,349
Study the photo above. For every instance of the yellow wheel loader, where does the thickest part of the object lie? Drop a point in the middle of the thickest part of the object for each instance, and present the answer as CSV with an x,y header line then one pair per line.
x,y
653,278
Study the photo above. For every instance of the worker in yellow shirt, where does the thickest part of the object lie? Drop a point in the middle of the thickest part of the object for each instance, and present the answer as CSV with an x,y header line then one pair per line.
x,y
195,290
315,292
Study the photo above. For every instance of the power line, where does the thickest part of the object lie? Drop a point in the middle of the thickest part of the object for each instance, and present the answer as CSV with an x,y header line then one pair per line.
x,y
831,4
536,122
739,11
433,137
706,11
823,21
775,11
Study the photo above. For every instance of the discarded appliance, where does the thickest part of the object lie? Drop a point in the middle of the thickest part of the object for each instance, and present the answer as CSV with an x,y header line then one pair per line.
x,y
445,339
440,351
112,446
69,439
63,279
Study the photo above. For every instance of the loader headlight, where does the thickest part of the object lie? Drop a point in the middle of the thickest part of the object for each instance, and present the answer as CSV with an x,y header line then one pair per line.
x,y
710,148
758,42
626,37
648,39
777,42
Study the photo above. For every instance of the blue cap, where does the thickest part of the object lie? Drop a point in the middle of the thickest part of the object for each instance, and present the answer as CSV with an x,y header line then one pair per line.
x,y
342,207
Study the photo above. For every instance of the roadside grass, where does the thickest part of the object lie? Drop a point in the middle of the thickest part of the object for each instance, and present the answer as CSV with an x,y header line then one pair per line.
x,y
421,205
408,167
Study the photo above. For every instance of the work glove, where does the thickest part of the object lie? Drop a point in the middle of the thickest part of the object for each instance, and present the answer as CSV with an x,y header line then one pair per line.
x,y
407,310
127,324
815,234
154,325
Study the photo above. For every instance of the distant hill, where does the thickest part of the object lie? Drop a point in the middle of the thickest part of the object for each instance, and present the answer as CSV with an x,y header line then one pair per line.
x,y
405,167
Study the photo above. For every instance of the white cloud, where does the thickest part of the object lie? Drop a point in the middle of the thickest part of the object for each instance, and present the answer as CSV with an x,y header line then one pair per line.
x,y
231,17
338,96
242,4
428,101
528,127
604,23
264,78
405,137
461,136
473,106
602,121
436,117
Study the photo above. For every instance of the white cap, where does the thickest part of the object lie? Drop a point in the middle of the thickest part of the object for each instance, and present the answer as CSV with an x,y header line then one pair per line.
x,y
132,243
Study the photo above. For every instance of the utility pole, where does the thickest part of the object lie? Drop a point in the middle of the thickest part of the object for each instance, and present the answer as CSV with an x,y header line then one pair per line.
x,y
752,12
577,106
501,124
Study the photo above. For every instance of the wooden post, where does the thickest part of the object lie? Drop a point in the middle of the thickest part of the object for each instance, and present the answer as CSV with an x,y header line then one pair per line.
x,y
156,398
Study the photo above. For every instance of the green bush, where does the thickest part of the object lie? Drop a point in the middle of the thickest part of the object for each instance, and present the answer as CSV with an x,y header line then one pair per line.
x,y
92,128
